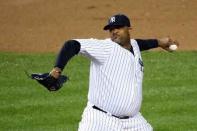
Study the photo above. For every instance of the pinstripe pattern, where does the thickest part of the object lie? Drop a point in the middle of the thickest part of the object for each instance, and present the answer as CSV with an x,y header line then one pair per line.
x,y
115,85
94,120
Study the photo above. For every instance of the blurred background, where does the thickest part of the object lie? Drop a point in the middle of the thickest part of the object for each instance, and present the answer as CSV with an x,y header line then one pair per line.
x,y
43,25
38,28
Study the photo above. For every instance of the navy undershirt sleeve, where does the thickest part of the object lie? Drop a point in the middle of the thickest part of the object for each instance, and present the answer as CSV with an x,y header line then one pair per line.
x,y
147,44
69,49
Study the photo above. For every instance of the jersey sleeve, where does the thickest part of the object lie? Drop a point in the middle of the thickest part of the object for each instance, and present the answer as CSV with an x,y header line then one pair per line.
x,y
147,44
97,50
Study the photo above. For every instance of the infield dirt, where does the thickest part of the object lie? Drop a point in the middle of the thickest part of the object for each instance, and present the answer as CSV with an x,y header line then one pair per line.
x,y
43,25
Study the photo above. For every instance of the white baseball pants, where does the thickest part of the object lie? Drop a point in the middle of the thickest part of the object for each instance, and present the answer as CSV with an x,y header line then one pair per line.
x,y
95,120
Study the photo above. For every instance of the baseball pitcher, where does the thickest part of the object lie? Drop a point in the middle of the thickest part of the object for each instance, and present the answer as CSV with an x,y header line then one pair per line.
x,y
115,79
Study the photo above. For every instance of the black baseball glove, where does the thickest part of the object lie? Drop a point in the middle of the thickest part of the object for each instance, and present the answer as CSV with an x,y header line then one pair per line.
x,y
48,81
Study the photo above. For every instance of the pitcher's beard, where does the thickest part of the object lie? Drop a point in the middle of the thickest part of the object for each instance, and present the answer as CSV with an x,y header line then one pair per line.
x,y
116,39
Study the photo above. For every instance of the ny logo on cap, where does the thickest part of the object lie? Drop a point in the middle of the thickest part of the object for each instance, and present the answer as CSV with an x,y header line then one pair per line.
x,y
112,19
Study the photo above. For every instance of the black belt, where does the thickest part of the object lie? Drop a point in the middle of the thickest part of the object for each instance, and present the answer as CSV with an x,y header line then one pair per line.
x,y
119,117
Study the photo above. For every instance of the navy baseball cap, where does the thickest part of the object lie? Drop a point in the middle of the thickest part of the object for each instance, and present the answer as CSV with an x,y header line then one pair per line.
x,y
118,20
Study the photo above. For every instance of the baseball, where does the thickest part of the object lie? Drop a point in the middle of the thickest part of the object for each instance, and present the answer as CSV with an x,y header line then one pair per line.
x,y
173,47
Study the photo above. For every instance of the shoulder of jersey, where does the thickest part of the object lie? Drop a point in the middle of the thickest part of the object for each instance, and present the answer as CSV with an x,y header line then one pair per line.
x,y
104,41
133,40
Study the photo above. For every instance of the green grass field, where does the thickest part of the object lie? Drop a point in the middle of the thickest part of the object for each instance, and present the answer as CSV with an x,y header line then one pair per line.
x,y
169,92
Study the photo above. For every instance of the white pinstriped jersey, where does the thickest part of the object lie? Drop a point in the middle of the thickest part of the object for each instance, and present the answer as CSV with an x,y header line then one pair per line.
x,y
115,82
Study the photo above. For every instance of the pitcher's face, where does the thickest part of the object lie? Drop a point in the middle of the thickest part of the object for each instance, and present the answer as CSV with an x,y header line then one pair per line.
x,y
120,35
